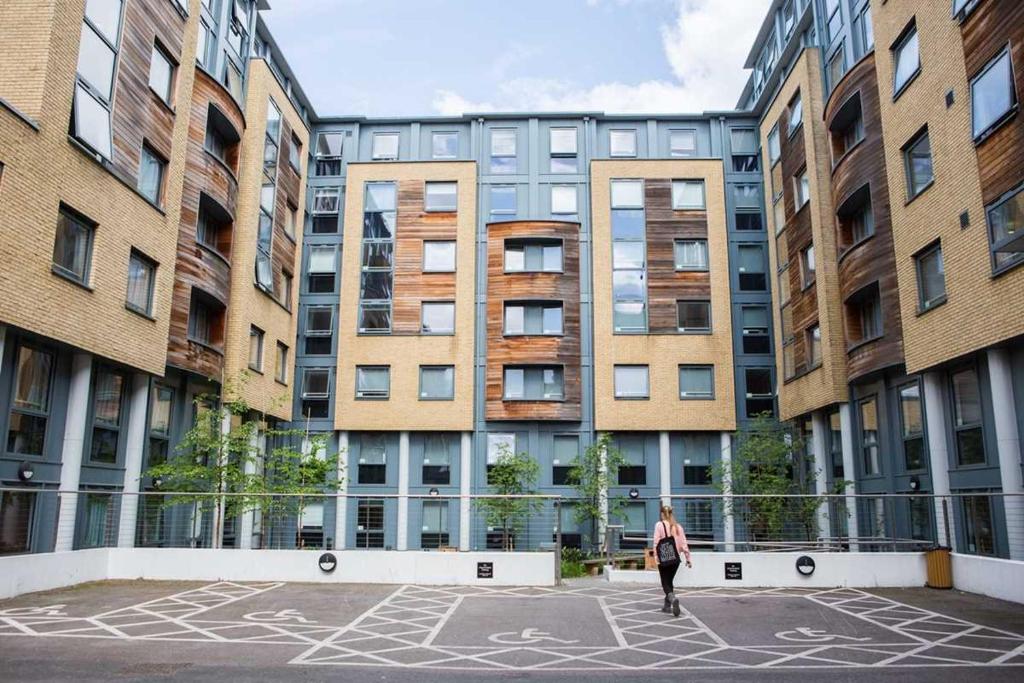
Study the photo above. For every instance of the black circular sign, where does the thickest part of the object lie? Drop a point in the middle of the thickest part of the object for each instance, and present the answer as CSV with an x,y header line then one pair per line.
x,y
805,565
328,562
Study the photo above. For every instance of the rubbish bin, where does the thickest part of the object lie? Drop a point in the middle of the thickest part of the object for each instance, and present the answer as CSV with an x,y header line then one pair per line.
x,y
940,568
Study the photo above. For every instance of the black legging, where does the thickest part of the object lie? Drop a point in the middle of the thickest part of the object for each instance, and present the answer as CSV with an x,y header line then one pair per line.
x,y
668,574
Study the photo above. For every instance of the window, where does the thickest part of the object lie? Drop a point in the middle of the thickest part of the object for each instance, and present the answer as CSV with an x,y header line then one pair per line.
x,y
869,436
847,128
993,94
284,289
979,527
321,269
807,268
693,316
72,248
746,196
837,65
290,220
864,322
796,114
835,18
385,146
970,445
633,472
503,200
441,197
233,80
326,201
438,257
542,318
16,508
862,224
373,381
687,194
755,329
281,367
437,383
744,149
268,200
779,213
912,425
203,45
691,254
801,188
622,143
379,218
866,30
99,522
534,383
752,276
1006,230
906,59
499,445
749,220
563,150
329,147
774,150
221,137
161,73
696,382
319,330
565,452
563,199
627,194
151,175
835,445
855,219
435,524
30,404
961,8
632,381
813,346
437,317
141,276
436,459
295,153
255,349
97,55
369,521
444,145
629,271
931,277
107,395
533,256
503,150
696,460
917,162
760,394
682,143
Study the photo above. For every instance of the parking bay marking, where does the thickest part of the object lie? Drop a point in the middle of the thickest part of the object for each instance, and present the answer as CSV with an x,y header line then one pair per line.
x,y
528,636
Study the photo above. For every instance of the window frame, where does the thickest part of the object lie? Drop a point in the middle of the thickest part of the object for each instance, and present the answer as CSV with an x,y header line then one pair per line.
x,y
88,229
696,330
795,104
172,70
620,394
161,164
31,412
526,368
875,457
434,134
679,242
909,31
1016,238
135,255
373,395
281,363
1010,112
377,154
429,207
543,305
500,168
694,396
681,153
906,436
445,269
618,133
958,429
423,309
260,336
908,173
682,206
924,304
420,392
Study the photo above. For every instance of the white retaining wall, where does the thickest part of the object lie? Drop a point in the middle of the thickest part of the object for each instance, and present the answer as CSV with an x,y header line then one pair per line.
x,y
1003,579
778,570
46,571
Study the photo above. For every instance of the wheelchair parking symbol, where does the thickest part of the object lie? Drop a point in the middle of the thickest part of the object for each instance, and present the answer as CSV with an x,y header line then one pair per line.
x,y
528,636
48,611
805,634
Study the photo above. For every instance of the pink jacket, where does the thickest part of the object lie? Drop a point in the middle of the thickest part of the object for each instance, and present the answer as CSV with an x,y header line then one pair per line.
x,y
678,534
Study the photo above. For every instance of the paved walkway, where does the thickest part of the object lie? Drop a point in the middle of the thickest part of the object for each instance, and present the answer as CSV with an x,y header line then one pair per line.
x,y
590,627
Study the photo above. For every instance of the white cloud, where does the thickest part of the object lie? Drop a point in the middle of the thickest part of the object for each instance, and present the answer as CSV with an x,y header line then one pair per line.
x,y
705,45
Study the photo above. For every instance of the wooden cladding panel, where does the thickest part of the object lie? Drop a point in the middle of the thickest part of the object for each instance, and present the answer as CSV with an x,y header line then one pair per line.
x,y
665,286
411,285
138,113
874,259
198,267
533,350
985,33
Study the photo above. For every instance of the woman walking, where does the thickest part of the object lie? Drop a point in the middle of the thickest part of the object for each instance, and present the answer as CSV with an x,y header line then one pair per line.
x,y
669,545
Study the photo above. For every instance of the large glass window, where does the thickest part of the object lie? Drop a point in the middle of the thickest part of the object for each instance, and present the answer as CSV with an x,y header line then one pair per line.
x,y
326,204
869,436
97,55
503,150
796,113
970,443
979,527
268,199
437,382
565,452
16,510
622,143
682,142
563,150
319,330
693,316
436,459
373,381
696,460
281,364
438,256
629,269
912,424
917,162
255,348
634,471
743,142
30,406
760,395
992,94
437,317
369,520
541,318
108,390
441,197
931,277
329,147
906,59
691,254
503,201
533,256
72,248
534,383
435,524
632,381
161,73
813,346
808,268
755,329
774,150
385,146
379,219
444,145
752,276
321,272
98,528
563,200
151,175
141,277
1006,231
687,194
696,382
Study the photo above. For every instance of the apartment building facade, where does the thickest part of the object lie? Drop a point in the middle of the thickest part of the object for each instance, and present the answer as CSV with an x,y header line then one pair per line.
x,y
431,292
891,140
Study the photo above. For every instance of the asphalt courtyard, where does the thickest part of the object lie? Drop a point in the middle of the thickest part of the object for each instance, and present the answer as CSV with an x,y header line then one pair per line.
x,y
587,630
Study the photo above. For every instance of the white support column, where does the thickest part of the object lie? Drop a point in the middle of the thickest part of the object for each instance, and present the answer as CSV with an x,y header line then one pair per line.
x,y
819,444
402,542
1008,445
71,453
248,517
602,498
938,456
849,471
135,447
218,523
665,452
465,488
728,518
341,502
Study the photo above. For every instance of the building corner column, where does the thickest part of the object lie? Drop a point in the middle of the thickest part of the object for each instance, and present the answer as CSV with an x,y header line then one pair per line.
x,y
247,522
71,453
1008,447
938,457
665,460
465,488
134,451
728,516
819,446
341,500
402,541
849,473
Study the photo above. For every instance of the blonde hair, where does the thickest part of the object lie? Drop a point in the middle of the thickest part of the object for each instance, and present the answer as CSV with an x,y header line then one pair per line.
x,y
669,515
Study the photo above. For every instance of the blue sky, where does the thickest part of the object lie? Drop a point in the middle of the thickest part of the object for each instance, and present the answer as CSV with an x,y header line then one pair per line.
x,y
424,57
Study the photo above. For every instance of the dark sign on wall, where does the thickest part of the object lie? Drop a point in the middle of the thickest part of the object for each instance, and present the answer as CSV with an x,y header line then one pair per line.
x,y
733,571
485,570
328,562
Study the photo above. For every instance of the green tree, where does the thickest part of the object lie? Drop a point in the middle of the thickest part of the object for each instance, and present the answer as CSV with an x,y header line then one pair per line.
x,y
512,478
221,454
763,466
592,475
